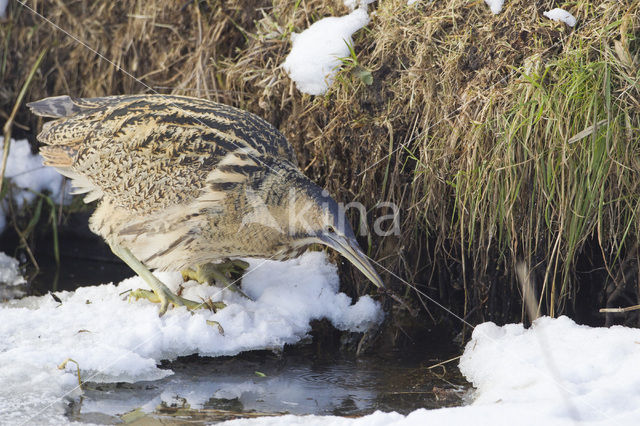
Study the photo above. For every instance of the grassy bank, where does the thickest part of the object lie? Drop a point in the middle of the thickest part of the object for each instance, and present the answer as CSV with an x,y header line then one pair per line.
x,y
503,138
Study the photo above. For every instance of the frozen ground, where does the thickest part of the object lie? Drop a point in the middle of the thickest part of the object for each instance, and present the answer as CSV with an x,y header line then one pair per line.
x,y
115,340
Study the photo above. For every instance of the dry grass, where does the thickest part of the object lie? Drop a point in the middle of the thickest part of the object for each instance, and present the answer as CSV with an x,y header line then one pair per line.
x,y
480,127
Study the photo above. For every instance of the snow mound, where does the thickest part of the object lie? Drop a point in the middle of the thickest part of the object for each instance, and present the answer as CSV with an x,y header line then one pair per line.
x,y
27,172
560,15
591,373
495,5
315,55
114,340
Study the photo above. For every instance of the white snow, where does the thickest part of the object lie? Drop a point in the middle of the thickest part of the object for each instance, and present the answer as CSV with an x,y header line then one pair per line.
x,y
353,4
115,340
556,372
560,15
315,55
27,172
9,271
11,281
411,2
495,5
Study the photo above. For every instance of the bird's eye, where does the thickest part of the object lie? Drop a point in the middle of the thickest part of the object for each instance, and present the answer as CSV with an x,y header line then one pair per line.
x,y
331,230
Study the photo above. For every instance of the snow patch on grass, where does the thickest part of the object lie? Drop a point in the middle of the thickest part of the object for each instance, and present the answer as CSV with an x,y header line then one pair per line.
x,y
353,4
495,5
315,55
561,15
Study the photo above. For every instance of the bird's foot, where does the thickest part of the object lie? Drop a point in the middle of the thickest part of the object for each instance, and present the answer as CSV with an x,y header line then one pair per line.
x,y
220,273
233,266
166,297
161,293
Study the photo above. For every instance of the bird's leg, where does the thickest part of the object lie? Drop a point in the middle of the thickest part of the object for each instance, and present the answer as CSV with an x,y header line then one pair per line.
x,y
219,273
161,292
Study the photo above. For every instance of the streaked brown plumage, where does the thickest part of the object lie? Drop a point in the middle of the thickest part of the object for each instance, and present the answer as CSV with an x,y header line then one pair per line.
x,y
184,182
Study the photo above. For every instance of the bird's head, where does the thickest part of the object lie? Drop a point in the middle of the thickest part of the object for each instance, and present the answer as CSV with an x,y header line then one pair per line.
x,y
315,217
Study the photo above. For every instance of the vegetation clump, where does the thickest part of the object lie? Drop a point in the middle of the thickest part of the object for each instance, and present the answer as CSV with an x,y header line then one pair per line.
x,y
503,138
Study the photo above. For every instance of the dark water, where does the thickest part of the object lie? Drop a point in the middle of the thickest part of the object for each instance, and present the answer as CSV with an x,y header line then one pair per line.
x,y
208,390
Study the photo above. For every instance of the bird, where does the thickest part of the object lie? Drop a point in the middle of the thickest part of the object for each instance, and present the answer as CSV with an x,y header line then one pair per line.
x,y
189,184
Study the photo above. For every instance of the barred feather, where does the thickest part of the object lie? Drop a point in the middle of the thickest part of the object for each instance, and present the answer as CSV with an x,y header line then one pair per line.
x,y
171,173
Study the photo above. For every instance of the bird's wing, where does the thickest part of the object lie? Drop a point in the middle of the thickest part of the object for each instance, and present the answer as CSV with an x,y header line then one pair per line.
x,y
154,151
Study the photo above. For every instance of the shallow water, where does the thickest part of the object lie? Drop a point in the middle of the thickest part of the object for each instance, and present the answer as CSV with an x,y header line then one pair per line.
x,y
206,390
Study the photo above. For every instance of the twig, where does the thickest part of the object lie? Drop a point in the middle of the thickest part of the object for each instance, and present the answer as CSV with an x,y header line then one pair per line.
x,y
619,310
64,365
444,362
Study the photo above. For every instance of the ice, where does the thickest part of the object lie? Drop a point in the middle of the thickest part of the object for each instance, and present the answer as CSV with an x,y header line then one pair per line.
x,y
495,5
560,15
27,172
315,55
114,340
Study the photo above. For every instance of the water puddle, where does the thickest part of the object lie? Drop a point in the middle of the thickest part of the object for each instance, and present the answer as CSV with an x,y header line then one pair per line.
x,y
206,390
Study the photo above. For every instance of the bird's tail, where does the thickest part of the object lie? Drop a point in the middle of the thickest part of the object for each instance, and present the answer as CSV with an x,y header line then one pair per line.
x,y
57,106
73,122
63,137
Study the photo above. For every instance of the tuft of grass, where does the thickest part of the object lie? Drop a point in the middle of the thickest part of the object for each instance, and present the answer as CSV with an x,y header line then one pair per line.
x,y
29,219
543,183
351,65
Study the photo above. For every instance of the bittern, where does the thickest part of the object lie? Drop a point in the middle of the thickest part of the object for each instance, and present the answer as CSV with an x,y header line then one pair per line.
x,y
186,183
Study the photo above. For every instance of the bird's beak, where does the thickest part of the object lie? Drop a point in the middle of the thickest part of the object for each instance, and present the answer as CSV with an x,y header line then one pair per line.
x,y
350,249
